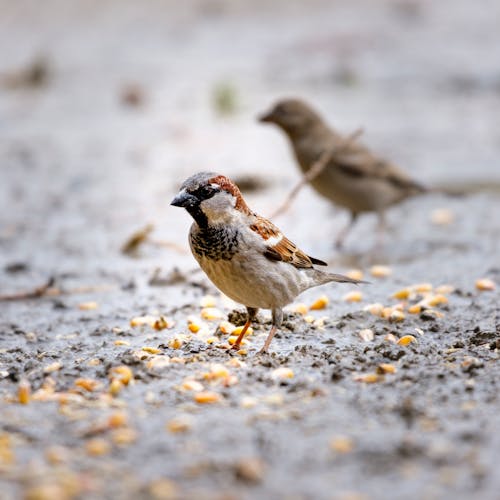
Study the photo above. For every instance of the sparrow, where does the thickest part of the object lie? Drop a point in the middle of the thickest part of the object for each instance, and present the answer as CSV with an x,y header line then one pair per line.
x,y
354,177
245,255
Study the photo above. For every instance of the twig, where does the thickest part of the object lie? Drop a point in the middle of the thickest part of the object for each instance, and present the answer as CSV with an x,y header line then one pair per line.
x,y
316,168
39,291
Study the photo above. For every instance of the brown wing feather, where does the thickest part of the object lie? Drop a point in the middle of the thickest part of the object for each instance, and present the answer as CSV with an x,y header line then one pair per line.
x,y
284,250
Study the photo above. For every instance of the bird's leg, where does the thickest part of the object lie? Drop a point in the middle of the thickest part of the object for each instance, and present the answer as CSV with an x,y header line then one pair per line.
x,y
277,319
343,233
381,229
251,313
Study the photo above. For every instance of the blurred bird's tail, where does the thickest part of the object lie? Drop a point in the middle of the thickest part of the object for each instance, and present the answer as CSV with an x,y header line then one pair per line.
x,y
321,278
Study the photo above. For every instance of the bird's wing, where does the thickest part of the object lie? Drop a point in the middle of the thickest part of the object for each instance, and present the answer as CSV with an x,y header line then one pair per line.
x,y
356,160
279,248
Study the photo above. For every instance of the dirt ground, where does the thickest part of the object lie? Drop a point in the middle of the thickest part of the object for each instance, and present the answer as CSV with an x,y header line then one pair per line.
x,y
105,108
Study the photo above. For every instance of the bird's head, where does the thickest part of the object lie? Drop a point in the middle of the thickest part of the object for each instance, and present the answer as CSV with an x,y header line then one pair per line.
x,y
211,199
292,115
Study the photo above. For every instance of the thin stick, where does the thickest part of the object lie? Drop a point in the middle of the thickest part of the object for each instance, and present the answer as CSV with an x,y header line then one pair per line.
x,y
316,168
39,291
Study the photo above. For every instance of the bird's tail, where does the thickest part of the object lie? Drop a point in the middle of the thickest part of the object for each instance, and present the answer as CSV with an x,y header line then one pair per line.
x,y
321,278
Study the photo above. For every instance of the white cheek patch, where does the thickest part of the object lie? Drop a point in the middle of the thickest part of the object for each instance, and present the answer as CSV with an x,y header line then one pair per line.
x,y
274,240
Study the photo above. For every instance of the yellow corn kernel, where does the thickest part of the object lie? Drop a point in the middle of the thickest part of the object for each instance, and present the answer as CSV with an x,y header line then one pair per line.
x,y
445,289
53,367
397,316
282,373
386,312
406,339
87,383
192,385
232,340
386,368
415,309
115,387
342,444
353,296
423,287
485,284
208,301
375,309
242,352
402,294
122,373
124,436
228,328
142,321
175,343
216,371
24,392
151,350
117,419
211,313
366,335
355,274
300,308
97,447
442,216
212,340
122,342
88,306
380,271
179,424
320,303
194,327
369,378
207,397
239,329
161,323
436,300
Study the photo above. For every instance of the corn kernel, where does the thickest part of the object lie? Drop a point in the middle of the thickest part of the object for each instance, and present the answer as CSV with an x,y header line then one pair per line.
x,y
228,328
232,340
87,383
375,309
397,316
342,444
282,373
117,419
24,392
124,436
415,309
369,378
122,342
122,373
436,300
445,289
355,274
97,447
309,319
88,306
208,301
380,271
386,312
442,216
53,367
161,323
212,340
320,303
391,338
354,296
485,284
163,489
406,339
402,294
142,321
239,329
423,287
242,352
179,424
386,368
192,385
366,335
115,387
175,343
211,313
207,397
300,308
216,371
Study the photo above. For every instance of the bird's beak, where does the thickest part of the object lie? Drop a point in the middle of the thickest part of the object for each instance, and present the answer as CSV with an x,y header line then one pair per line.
x,y
184,199
266,117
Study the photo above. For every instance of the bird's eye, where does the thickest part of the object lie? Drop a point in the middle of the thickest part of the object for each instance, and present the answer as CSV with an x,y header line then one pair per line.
x,y
205,192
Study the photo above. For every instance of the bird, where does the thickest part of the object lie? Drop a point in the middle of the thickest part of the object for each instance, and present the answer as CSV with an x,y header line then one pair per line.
x,y
353,177
245,255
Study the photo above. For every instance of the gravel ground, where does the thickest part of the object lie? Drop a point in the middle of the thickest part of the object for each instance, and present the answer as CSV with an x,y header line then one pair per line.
x,y
105,107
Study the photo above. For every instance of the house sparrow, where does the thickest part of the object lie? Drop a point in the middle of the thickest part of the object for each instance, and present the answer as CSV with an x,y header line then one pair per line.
x,y
354,177
245,255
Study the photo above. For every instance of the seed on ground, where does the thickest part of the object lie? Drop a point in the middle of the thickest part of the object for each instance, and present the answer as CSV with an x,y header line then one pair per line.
x,y
485,284
320,303
406,339
207,397
380,271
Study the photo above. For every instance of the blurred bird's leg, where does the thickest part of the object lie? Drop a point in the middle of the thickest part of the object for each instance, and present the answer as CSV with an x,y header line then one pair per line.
x,y
339,242
277,320
381,230
251,313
